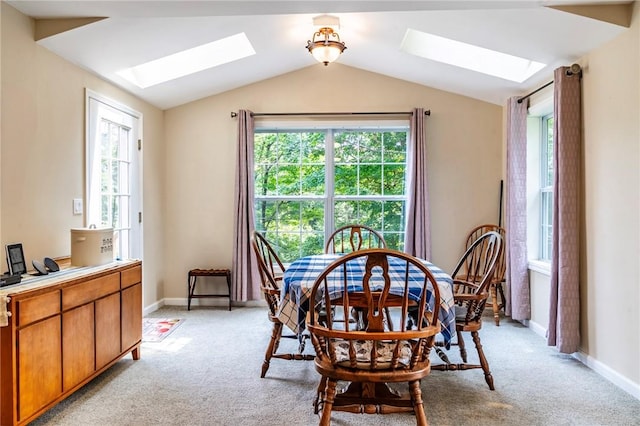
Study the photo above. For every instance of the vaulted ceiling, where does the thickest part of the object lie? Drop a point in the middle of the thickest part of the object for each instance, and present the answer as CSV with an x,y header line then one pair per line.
x,y
555,33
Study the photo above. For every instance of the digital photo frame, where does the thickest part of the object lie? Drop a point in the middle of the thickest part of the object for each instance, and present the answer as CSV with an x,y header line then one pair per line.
x,y
15,259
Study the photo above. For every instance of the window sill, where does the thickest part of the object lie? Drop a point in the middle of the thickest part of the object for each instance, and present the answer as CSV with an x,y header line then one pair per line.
x,y
540,266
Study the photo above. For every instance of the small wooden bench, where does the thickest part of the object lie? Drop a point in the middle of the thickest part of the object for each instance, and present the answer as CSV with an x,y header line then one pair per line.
x,y
193,276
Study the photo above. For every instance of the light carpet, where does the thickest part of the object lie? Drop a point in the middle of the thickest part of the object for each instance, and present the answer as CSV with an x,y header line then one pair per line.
x,y
207,372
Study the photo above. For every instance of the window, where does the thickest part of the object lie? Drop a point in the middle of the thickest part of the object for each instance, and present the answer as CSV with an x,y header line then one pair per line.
x,y
113,177
540,180
309,182
546,187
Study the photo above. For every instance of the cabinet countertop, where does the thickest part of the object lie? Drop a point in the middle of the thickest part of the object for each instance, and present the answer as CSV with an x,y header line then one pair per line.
x,y
33,282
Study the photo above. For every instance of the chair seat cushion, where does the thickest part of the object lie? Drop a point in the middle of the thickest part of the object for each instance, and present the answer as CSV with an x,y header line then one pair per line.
x,y
384,353
461,312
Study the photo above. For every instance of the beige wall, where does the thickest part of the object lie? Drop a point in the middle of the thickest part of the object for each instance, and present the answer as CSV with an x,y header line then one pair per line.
x,y
611,284
42,145
610,280
464,149
2,267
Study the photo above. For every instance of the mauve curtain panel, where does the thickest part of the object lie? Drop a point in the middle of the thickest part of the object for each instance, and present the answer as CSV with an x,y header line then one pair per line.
x,y
417,240
246,284
564,311
517,274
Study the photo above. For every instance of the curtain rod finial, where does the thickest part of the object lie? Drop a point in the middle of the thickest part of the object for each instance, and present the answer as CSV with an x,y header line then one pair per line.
x,y
427,112
234,114
574,69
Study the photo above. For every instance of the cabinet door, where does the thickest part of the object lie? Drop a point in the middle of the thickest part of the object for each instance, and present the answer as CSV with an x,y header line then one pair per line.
x,y
39,365
107,329
131,316
78,345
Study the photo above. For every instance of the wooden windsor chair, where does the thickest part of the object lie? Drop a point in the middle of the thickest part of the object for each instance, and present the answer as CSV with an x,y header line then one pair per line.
x,y
354,237
377,354
472,280
497,290
271,271
350,238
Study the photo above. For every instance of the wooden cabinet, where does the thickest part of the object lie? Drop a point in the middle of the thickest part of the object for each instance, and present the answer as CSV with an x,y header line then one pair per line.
x,y
65,331
78,350
108,329
39,367
131,283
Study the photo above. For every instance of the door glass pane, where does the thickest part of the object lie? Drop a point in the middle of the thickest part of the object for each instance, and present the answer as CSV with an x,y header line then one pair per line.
x,y
105,211
115,183
123,219
124,181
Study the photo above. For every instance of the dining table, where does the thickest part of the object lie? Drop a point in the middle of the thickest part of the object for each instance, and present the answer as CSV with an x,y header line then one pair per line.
x,y
299,278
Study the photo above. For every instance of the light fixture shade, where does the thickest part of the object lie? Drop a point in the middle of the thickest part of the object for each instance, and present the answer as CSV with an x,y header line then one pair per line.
x,y
326,53
323,49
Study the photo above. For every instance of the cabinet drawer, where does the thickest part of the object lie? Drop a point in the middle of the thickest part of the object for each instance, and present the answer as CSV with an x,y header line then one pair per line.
x,y
131,276
89,291
38,307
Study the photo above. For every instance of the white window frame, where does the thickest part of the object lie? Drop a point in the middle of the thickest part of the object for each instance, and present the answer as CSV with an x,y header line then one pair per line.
x,y
546,192
330,198
98,106
541,106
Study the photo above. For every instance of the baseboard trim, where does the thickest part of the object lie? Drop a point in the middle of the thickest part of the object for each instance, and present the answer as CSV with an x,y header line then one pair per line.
x,y
216,302
153,307
537,328
608,373
603,370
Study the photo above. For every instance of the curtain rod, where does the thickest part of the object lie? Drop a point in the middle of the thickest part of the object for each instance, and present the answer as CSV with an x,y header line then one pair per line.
x,y
311,114
534,92
574,69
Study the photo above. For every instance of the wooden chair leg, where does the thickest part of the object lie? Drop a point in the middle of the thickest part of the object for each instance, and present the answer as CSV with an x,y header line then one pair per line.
x,y
494,304
463,350
320,395
274,342
483,360
418,406
327,404
502,298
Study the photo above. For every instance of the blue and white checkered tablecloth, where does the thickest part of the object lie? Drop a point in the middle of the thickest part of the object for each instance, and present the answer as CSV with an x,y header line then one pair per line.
x,y
300,276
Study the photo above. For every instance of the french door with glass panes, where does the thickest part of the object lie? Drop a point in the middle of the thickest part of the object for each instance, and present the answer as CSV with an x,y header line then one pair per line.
x,y
113,173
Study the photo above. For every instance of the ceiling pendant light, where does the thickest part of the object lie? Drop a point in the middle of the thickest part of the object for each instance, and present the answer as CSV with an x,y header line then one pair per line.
x,y
325,45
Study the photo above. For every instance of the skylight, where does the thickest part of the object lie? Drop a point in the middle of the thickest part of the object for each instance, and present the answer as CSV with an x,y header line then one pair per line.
x,y
468,56
189,61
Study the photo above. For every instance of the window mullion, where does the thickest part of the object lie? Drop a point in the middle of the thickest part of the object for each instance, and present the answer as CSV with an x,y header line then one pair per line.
x,y
329,194
300,192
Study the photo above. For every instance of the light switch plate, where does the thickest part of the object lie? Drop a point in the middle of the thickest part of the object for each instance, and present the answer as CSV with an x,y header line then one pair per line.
x,y
77,206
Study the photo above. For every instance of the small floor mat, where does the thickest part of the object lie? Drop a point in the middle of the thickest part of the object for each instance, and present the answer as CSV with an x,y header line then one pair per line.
x,y
156,329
